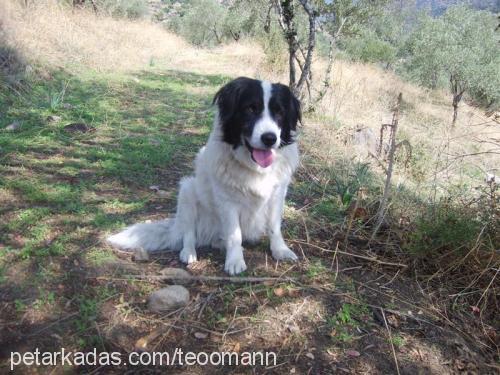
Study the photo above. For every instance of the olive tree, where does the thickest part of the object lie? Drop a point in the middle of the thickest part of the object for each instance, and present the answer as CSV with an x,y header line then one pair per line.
x,y
460,47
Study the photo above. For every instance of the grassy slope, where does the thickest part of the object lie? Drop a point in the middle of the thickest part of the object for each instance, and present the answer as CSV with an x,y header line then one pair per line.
x,y
61,191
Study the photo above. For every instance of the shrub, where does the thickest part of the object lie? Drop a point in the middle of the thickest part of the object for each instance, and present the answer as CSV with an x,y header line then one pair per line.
x,y
368,47
202,24
443,228
211,22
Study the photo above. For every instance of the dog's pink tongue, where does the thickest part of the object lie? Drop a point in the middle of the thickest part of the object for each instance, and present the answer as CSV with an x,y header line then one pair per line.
x,y
263,157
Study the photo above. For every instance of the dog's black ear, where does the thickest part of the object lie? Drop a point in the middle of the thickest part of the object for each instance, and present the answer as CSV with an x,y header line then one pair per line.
x,y
228,96
227,100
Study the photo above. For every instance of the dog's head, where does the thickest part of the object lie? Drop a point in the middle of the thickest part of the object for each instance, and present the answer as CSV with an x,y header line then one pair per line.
x,y
258,116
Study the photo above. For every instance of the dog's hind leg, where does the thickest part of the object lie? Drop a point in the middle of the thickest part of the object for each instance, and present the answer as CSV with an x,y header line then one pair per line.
x,y
186,220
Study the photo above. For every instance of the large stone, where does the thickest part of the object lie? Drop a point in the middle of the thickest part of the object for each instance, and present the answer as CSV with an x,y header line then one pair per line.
x,y
169,298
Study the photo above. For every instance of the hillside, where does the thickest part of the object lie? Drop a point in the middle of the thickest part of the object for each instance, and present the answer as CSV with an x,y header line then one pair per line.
x,y
110,114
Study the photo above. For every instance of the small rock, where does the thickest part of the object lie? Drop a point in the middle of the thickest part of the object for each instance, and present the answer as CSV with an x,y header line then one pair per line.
x,y
293,328
310,355
67,106
178,275
16,125
162,193
200,335
169,298
53,118
140,255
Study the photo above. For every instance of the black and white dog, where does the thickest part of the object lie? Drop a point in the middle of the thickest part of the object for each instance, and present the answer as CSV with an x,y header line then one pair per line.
x,y
240,181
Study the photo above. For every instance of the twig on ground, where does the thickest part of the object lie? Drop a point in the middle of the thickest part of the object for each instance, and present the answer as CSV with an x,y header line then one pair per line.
x,y
371,259
390,340
231,279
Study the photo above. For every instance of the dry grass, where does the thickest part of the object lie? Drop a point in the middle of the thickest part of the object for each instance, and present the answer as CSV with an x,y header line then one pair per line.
x,y
49,33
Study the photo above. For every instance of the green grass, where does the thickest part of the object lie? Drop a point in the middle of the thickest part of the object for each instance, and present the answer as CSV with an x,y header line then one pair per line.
x,y
143,122
61,191
346,321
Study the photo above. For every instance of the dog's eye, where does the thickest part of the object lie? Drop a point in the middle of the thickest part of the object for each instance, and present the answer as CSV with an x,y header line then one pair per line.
x,y
251,109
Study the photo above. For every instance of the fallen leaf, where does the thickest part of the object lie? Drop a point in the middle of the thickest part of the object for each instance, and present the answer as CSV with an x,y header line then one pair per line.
x,y
142,343
352,353
279,292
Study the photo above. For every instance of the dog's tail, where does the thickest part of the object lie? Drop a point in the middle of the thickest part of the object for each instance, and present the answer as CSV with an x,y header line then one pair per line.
x,y
158,235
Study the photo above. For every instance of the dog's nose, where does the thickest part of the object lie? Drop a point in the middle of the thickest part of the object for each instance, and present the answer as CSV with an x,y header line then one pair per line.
x,y
269,139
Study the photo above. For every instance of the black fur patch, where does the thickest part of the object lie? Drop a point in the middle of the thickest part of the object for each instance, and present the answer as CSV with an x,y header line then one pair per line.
x,y
285,110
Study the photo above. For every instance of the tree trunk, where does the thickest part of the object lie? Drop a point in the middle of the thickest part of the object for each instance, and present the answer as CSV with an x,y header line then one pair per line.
x,y
291,38
455,112
286,18
457,92
217,37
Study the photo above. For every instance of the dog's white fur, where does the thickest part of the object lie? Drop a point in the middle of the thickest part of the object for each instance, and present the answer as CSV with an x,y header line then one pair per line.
x,y
230,199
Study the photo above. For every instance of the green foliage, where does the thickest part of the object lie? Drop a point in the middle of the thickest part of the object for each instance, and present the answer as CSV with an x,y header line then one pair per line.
x,y
201,23
210,22
347,178
368,47
56,98
346,17
461,47
346,321
443,228
398,341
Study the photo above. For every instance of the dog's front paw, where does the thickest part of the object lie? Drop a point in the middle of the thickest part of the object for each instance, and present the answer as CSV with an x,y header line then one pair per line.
x,y
235,263
188,256
283,253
